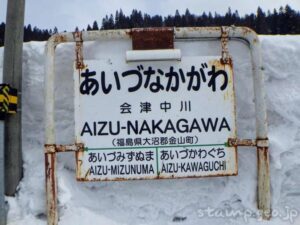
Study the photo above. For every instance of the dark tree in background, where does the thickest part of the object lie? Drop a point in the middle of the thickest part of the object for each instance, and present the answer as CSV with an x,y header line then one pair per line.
x,y
95,26
261,25
285,20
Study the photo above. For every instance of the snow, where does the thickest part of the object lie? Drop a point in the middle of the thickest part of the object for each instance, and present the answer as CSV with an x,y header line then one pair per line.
x,y
179,201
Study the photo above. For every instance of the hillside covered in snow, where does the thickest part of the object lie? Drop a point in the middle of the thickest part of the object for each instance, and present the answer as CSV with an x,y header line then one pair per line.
x,y
161,202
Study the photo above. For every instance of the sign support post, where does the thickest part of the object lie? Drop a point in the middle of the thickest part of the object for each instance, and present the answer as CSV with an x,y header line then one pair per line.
x,y
51,186
263,192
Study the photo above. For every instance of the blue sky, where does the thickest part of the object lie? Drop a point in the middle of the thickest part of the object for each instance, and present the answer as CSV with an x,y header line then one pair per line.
x,y
67,14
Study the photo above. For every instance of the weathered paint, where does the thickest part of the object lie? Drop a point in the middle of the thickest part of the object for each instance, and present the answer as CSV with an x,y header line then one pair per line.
x,y
152,38
226,59
79,50
242,142
49,148
64,148
248,142
263,188
51,188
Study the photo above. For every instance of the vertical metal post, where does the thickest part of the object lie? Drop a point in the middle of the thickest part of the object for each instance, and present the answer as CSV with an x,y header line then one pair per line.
x,y
12,73
2,186
51,188
263,176
263,167
50,155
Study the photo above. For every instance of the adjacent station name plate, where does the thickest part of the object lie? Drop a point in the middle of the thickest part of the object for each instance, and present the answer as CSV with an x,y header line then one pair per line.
x,y
160,119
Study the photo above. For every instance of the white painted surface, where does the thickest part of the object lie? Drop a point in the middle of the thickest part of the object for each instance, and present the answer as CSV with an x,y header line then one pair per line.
x,y
183,131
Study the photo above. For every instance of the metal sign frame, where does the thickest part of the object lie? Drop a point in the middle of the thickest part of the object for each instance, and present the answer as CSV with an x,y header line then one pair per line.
x,y
198,33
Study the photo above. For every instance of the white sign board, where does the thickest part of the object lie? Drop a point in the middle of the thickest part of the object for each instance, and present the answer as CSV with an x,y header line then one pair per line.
x,y
158,119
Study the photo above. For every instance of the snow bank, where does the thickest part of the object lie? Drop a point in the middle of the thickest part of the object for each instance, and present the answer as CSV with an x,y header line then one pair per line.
x,y
184,201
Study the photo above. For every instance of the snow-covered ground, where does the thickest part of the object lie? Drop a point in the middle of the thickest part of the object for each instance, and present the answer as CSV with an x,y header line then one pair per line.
x,y
183,201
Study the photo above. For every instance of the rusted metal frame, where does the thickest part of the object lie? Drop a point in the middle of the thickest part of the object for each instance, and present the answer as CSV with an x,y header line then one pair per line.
x,y
79,50
225,59
242,33
52,148
248,142
263,191
51,181
248,35
234,142
152,44
51,188
263,161
50,157
152,38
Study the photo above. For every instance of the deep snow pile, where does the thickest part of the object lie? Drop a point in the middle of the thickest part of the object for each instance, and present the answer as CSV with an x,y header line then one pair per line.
x,y
166,201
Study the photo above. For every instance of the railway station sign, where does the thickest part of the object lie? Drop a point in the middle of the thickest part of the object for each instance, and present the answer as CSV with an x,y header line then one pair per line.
x,y
155,119
155,106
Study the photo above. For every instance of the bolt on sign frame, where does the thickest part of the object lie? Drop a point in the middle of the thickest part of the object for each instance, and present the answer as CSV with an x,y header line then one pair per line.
x,y
196,33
